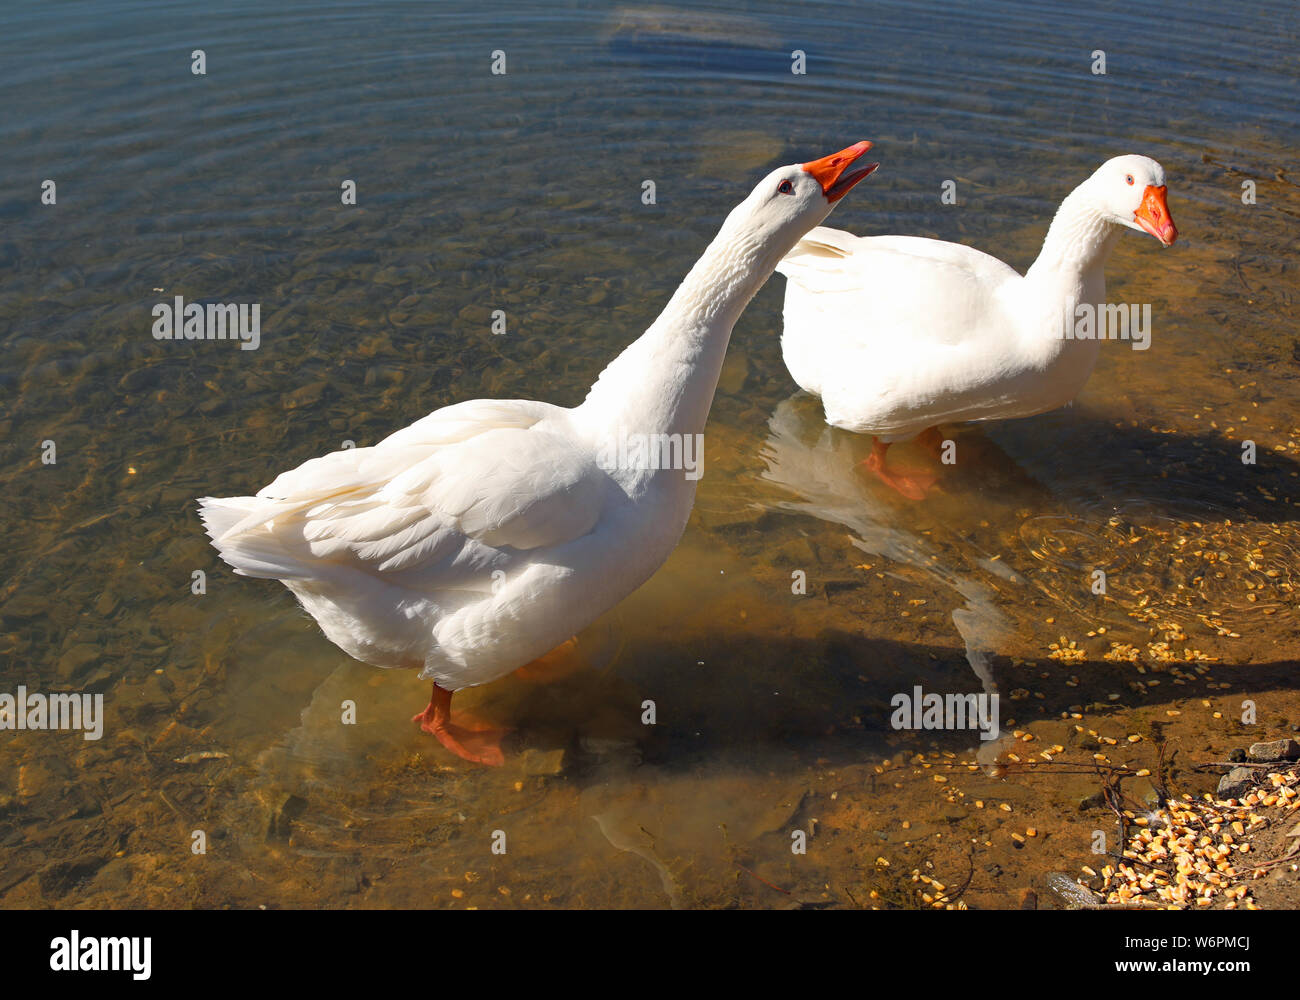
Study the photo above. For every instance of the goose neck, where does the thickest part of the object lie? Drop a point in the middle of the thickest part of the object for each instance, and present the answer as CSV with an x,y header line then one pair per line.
x,y
1078,240
664,382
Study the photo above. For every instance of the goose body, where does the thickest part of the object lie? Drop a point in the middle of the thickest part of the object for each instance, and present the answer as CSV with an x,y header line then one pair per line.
x,y
466,544
491,531
897,334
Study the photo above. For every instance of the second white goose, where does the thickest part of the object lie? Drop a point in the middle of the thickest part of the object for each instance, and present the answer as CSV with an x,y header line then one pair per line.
x,y
897,334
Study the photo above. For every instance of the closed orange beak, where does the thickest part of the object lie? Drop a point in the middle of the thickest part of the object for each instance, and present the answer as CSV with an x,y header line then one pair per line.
x,y
833,174
1153,215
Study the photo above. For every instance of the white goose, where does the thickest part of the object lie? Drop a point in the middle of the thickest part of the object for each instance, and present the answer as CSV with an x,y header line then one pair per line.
x,y
897,334
489,532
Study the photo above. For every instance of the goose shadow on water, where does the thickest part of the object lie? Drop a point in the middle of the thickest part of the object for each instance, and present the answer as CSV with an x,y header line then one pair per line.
x,y
717,694
1093,460
1074,456
761,702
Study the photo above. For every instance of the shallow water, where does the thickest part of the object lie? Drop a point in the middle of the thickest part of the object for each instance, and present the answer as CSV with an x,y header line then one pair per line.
x,y
522,192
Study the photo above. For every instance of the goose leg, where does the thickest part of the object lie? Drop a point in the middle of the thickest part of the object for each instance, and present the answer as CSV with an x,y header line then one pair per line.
x,y
466,737
910,484
931,439
559,663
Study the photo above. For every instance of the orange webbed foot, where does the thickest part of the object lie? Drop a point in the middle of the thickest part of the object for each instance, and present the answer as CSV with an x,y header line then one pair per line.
x,y
467,737
913,484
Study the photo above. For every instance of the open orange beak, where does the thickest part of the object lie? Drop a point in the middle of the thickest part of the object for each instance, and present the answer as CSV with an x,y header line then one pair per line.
x,y
833,174
1153,215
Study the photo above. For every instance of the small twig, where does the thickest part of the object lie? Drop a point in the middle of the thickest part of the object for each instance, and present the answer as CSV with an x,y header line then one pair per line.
x,y
170,806
1163,785
952,897
771,885
1237,265
1124,860
1284,859
1228,763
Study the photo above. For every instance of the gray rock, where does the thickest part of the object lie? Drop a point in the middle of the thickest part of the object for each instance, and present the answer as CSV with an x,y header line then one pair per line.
x,y
58,878
392,276
1070,894
113,877
287,808
542,762
142,702
26,604
137,379
307,395
36,779
1236,783
1275,750
75,661
98,682
797,553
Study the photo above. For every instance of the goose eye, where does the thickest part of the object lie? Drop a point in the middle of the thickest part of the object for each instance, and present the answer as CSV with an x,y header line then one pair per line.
x,y
785,187
1129,178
